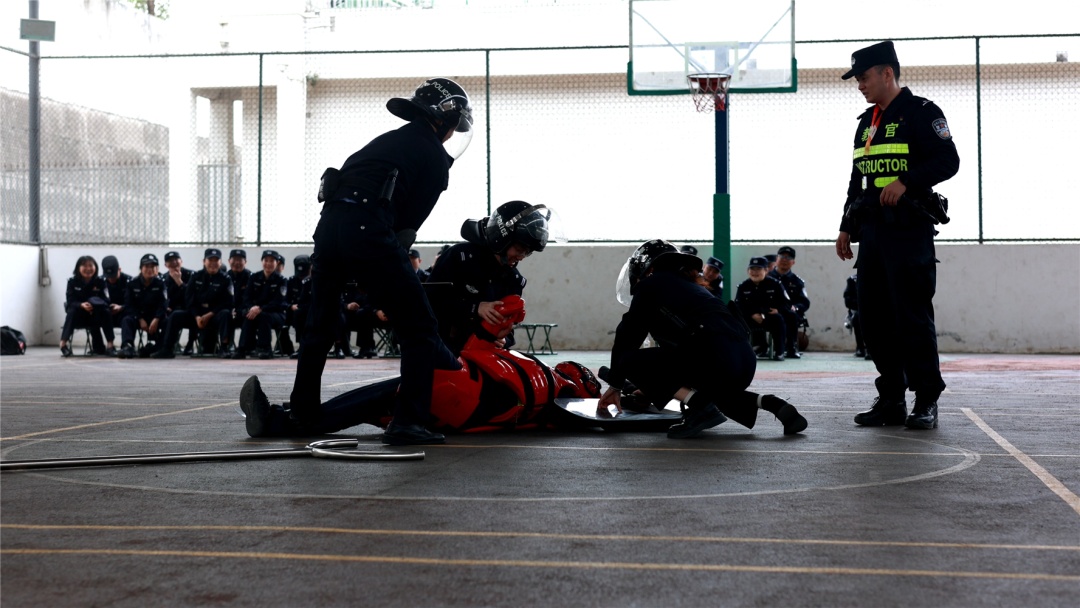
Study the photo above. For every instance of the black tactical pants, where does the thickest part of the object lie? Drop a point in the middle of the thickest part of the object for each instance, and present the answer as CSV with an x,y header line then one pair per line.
x,y
897,281
722,370
355,242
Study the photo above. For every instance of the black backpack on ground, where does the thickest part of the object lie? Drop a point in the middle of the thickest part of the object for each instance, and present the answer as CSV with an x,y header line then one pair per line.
x,y
12,341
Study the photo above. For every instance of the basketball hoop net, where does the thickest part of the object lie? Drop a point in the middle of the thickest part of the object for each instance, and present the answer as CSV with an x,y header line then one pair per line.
x,y
709,91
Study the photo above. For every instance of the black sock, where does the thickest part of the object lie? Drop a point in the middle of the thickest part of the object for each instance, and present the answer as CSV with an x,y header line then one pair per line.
x,y
770,403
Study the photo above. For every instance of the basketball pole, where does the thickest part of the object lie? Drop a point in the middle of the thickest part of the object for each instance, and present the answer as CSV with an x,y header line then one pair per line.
x,y
722,202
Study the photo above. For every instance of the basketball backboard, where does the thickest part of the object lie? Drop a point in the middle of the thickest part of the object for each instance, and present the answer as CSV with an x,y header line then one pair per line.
x,y
753,40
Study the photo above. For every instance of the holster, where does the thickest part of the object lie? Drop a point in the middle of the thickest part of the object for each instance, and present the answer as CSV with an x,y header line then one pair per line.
x,y
328,183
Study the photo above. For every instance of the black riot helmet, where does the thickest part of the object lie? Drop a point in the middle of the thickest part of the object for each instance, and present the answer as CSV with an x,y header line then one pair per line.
x,y
443,103
645,257
513,222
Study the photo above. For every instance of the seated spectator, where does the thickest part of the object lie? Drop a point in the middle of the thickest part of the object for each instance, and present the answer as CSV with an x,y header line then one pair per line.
x,y
239,275
771,258
689,249
85,306
363,316
760,298
299,310
795,314
293,288
208,301
851,301
115,288
265,304
414,257
144,306
714,280
176,279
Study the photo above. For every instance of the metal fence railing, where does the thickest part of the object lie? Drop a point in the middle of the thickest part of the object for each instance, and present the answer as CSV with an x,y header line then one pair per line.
x,y
227,149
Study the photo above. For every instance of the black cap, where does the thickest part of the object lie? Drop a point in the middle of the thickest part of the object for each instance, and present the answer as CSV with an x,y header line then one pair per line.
x,y
444,249
771,257
414,253
688,249
148,259
280,258
759,262
786,250
110,267
715,263
172,255
238,253
881,53
269,253
212,253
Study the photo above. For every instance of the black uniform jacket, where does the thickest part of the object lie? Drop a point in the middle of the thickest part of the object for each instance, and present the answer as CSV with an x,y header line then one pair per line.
x,y
851,293
116,293
756,298
145,300
208,293
293,288
679,314
795,288
79,291
423,173
239,283
266,292
477,276
912,144
174,294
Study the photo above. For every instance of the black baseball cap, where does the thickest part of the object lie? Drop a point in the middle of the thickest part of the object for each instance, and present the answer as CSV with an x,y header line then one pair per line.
x,y
172,255
212,253
771,257
444,249
688,249
786,250
110,267
414,253
882,53
270,253
238,253
758,262
148,259
715,263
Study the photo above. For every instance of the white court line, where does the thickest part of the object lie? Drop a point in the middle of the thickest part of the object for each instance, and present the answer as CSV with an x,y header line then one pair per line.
x,y
1044,476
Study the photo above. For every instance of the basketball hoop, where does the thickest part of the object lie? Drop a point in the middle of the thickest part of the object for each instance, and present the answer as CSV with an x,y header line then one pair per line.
x,y
709,91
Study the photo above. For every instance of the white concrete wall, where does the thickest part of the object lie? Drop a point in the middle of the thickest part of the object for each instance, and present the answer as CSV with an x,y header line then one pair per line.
x,y
991,298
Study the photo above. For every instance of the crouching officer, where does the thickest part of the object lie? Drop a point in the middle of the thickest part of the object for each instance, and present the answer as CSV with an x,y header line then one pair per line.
x,y
373,207
207,307
144,306
703,358
484,270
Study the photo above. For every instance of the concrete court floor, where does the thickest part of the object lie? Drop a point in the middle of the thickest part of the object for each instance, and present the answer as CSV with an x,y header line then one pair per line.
x,y
982,511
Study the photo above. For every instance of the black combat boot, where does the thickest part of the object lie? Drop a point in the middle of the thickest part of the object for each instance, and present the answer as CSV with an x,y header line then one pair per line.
x,y
884,412
923,414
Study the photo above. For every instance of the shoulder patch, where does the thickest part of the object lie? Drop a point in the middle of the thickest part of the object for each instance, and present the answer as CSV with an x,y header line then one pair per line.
x,y
942,129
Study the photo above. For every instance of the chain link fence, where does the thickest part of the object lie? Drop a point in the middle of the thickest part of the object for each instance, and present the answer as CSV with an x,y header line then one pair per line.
x,y
227,149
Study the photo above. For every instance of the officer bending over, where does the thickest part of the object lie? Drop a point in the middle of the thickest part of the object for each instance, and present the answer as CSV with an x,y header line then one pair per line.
x,y
373,207
703,358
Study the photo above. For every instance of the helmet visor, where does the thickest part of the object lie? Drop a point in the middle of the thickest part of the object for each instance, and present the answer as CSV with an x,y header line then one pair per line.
x,y
458,141
622,285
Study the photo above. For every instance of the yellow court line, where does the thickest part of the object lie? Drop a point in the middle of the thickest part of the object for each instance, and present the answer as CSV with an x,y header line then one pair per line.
x,y
540,535
386,559
1044,476
121,421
